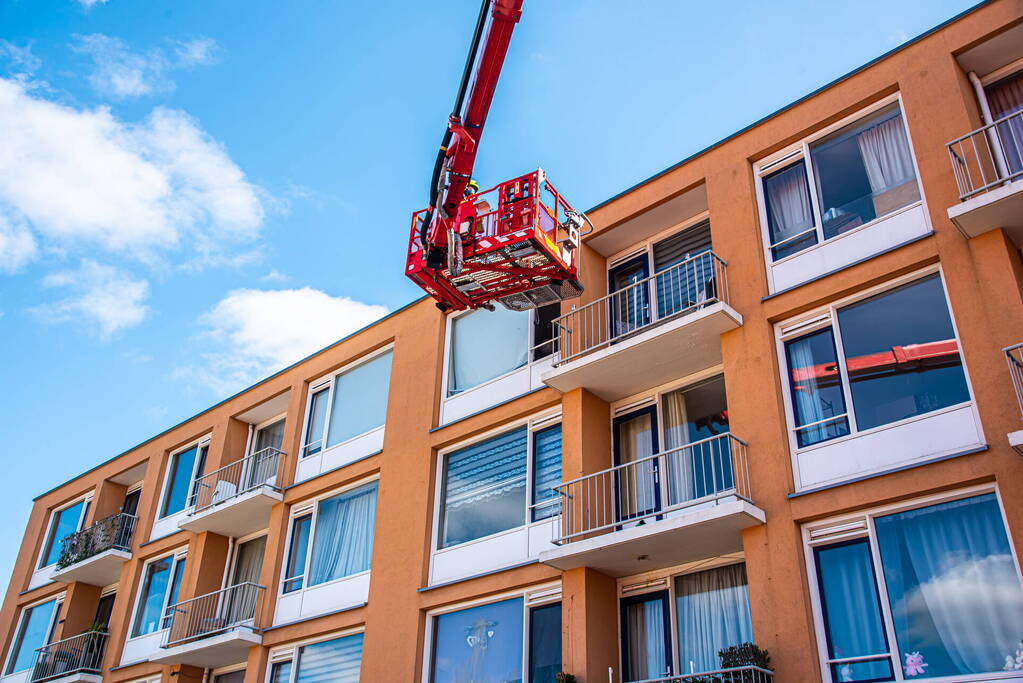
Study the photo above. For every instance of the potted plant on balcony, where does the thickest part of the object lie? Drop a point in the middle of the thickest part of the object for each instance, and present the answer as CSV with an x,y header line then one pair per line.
x,y
745,654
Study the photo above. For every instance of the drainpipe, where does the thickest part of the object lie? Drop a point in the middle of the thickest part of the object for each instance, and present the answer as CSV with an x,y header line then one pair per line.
x,y
992,135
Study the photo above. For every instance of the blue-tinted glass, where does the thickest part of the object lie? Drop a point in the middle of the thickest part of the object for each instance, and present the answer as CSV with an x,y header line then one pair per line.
x,y
360,399
544,643
65,523
546,472
852,611
901,354
789,213
343,539
151,602
180,482
630,306
317,420
281,673
331,661
34,632
485,345
482,644
485,488
955,596
295,571
172,597
816,388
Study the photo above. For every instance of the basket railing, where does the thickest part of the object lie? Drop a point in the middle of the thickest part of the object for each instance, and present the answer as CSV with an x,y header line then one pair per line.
x,y
988,157
238,606
110,533
78,654
741,674
260,469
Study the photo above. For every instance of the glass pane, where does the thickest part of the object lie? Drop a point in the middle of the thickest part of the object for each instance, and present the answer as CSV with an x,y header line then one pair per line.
x,y
485,488
713,613
295,570
105,609
65,523
485,345
131,502
852,611
646,655
360,399
317,419
545,342
180,481
901,354
343,540
546,472
154,589
816,387
864,171
482,644
681,287
789,213
270,436
1006,97
175,589
233,677
544,643
636,486
630,309
332,661
955,595
281,672
694,414
35,627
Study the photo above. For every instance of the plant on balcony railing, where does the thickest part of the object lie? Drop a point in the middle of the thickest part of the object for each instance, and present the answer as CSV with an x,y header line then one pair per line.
x,y
744,663
110,533
78,654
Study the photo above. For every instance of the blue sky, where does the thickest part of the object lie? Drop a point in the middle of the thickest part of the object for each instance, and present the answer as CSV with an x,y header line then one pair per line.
x,y
194,193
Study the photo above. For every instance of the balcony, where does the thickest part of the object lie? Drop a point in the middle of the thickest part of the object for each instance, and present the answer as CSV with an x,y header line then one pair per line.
x,y
95,555
78,658
682,505
667,325
741,674
236,499
214,630
1014,357
988,168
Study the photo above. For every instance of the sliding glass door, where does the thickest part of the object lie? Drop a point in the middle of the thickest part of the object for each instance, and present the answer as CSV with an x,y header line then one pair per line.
x,y
646,637
637,485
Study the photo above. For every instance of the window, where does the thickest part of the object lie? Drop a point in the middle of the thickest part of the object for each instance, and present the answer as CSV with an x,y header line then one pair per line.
x,y
899,359
481,643
948,576
545,643
342,539
63,523
485,486
35,629
838,182
269,436
1005,97
338,661
348,404
160,587
186,467
486,345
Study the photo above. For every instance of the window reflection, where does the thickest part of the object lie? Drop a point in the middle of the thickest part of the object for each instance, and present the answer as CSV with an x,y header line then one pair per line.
x,y
481,644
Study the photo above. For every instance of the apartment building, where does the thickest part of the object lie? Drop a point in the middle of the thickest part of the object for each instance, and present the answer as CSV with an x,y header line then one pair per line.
x,y
788,410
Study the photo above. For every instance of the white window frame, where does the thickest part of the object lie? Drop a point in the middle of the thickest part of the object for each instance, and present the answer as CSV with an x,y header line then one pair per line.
x,y
290,652
827,317
801,151
533,424
311,506
532,596
859,525
254,429
178,555
330,382
55,618
51,526
165,488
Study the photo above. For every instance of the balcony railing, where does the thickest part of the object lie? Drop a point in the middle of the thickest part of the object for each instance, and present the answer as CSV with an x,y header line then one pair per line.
x,y
742,674
988,157
238,606
1014,357
680,290
110,533
78,654
698,473
260,469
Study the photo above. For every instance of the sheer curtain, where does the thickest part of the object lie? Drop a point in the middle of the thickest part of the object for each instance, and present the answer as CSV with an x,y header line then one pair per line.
x,y
636,484
676,434
713,613
886,156
647,657
788,202
1006,98
343,541
953,585
248,566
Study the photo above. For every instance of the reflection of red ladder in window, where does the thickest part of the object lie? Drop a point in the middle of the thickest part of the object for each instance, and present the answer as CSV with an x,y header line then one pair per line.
x,y
899,359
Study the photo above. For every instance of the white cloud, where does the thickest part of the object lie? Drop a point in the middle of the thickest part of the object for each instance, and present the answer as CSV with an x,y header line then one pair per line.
x,y
83,177
17,245
200,51
21,63
276,276
101,296
256,332
89,4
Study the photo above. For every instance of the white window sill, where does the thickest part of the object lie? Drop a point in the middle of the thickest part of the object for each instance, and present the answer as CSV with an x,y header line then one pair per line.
x,y
340,454
494,552
494,392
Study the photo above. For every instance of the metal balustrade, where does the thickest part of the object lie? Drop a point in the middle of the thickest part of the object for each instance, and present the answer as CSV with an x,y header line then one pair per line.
x,y
110,533
742,674
238,606
988,157
78,654
705,471
1014,357
672,293
262,468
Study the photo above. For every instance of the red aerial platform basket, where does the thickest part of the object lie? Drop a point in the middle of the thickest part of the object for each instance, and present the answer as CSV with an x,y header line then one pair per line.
x,y
516,243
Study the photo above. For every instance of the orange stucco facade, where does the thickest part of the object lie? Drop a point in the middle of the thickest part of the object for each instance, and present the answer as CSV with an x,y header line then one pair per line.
x,y
983,277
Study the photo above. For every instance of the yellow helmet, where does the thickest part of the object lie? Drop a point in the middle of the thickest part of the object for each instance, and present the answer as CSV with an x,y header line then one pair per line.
x,y
472,188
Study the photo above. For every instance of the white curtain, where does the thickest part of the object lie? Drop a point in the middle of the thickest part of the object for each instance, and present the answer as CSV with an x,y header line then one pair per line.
x,y
485,345
636,484
1006,98
647,658
885,152
679,463
331,661
713,613
343,540
788,199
